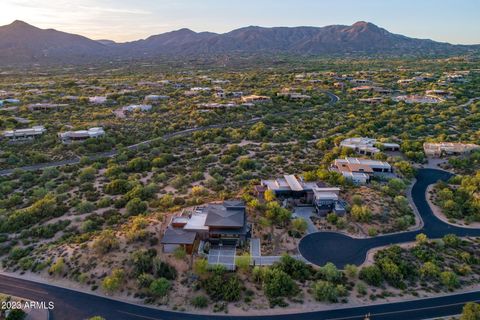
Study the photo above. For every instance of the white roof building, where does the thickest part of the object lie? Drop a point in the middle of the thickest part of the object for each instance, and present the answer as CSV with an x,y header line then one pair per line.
x,y
196,222
448,148
81,135
24,134
418,99
137,107
156,97
201,89
367,145
288,183
256,99
97,100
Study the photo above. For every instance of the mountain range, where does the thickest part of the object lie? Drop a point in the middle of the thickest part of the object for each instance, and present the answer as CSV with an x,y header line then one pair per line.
x,y
25,44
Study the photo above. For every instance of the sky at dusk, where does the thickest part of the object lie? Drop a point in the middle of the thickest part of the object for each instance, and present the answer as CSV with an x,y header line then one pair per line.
x,y
455,21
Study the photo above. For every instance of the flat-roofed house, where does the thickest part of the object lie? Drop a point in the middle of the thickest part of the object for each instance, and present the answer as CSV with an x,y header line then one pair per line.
x,y
361,145
363,89
415,98
360,171
438,92
11,101
449,148
256,99
325,199
97,99
328,200
374,100
46,106
360,81
294,96
155,97
81,135
368,146
289,186
137,107
24,134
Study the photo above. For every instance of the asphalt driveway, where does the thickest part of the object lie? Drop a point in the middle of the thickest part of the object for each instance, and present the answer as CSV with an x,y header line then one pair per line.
x,y
322,247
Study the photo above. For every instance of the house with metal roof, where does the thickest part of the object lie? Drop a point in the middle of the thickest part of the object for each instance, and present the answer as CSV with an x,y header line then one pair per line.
x,y
174,238
227,222
217,223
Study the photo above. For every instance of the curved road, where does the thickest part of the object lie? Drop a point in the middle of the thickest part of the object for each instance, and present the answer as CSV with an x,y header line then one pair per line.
x,y
73,305
322,247
333,100
318,248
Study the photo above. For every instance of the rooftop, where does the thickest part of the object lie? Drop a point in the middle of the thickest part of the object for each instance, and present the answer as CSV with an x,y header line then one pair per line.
x,y
228,214
178,236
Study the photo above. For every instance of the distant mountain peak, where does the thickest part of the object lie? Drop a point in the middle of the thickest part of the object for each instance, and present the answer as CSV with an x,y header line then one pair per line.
x,y
184,31
362,24
21,42
21,24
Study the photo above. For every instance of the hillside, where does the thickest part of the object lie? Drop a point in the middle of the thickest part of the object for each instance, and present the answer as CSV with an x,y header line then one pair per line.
x,y
23,43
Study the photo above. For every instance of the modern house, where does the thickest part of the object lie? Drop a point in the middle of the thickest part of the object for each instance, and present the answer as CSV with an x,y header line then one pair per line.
x,y
46,106
368,146
360,171
288,186
236,94
137,107
363,89
227,222
155,97
294,96
374,100
415,98
215,105
97,100
178,237
24,134
256,99
217,223
201,89
360,81
448,148
438,93
9,101
405,81
81,135
325,199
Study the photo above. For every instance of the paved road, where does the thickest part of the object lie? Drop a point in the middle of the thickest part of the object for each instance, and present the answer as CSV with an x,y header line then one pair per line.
x,y
72,305
333,99
322,247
